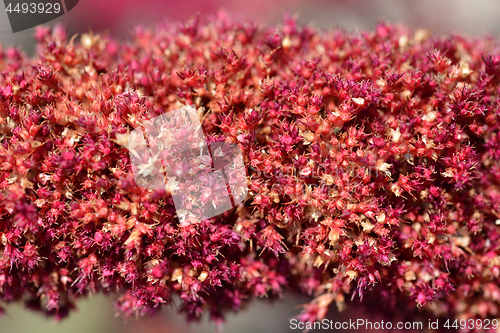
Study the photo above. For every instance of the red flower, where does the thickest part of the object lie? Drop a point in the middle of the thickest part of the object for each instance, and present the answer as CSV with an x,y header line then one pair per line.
x,y
371,156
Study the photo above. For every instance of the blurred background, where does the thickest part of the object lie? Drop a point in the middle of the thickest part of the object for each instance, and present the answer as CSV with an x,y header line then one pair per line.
x,y
471,17
120,16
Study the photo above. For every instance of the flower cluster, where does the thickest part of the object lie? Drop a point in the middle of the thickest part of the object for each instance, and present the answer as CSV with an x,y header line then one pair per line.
x,y
372,162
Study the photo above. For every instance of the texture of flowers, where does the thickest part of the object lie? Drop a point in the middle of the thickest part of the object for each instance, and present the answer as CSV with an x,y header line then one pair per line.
x,y
372,162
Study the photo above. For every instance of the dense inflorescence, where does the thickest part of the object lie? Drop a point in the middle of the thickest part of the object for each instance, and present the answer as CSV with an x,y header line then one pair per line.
x,y
372,160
